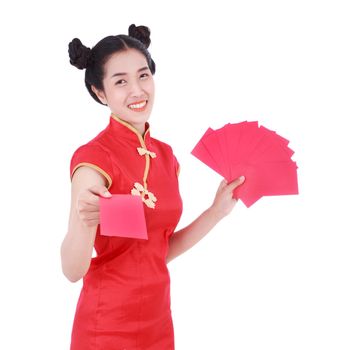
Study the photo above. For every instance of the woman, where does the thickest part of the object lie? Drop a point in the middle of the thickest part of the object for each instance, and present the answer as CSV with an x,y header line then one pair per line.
x,y
125,299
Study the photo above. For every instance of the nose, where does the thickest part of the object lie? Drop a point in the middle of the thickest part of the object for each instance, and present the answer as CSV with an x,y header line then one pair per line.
x,y
136,89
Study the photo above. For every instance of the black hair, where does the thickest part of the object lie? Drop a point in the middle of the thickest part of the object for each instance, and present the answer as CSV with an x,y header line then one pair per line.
x,y
93,60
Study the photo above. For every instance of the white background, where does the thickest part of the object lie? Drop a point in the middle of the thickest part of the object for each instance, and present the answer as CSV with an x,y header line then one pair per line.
x,y
265,277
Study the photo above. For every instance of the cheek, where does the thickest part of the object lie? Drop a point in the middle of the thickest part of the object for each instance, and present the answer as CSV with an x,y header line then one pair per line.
x,y
116,97
150,86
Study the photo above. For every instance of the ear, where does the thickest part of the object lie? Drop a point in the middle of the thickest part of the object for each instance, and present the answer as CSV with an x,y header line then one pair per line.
x,y
100,94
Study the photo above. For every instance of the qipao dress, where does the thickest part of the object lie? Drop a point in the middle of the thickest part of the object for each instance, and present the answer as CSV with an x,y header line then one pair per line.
x,y
124,303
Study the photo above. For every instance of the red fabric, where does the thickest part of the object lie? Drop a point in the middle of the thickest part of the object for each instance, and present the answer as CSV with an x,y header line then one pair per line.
x,y
94,154
124,303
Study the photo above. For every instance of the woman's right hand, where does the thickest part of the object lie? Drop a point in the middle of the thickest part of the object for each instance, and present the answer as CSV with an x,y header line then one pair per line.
x,y
88,204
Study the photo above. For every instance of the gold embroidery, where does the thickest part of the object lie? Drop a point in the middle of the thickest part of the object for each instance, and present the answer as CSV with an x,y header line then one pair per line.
x,y
139,190
143,151
141,140
96,167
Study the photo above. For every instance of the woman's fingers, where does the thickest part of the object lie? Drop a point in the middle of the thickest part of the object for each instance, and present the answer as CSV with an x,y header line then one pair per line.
x,y
96,191
85,216
224,201
89,222
88,207
235,183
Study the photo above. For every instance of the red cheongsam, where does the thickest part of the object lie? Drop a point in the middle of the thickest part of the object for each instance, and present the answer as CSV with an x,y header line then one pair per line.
x,y
124,302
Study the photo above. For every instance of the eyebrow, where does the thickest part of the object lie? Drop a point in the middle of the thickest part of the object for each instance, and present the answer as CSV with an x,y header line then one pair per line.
x,y
139,70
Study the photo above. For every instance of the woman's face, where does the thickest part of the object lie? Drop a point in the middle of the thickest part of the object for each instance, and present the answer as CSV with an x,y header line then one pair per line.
x,y
128,85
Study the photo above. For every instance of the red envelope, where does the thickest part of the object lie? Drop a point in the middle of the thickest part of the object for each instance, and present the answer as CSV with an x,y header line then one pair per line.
x,y
260,181
122,215
201,152
212,145
260,154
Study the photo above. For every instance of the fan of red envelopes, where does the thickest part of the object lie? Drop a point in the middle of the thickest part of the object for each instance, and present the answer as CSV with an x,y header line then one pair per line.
x,y
260,154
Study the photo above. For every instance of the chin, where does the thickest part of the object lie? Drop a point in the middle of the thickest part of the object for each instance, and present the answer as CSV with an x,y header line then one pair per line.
x,y
137,117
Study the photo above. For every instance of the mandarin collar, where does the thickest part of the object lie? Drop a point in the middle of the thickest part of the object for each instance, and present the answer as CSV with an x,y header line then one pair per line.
x,y
120,128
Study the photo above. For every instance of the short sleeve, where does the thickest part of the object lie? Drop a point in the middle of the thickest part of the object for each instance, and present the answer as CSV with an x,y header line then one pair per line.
x,y
92,156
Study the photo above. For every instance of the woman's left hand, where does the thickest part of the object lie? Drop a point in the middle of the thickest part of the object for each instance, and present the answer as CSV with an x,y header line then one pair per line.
x,y
224,202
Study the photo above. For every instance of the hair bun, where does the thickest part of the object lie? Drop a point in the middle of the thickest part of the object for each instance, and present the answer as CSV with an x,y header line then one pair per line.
x,y
141,33
80,55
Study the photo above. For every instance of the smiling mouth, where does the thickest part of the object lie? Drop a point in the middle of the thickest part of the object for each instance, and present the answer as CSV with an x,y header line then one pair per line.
x,y
139,106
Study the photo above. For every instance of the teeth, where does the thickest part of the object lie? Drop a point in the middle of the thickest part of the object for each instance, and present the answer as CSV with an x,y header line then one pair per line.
x,y
139,105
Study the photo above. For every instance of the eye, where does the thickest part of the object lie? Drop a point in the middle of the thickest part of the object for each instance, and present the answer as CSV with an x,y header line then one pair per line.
x,y
119,82
144,74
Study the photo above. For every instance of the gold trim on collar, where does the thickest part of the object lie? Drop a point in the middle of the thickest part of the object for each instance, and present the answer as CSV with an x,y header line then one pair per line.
x,y
132,128
149,201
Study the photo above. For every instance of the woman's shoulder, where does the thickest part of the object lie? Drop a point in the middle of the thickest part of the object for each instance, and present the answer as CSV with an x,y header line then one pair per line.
x,y
97,144
89,147
92,154
162,145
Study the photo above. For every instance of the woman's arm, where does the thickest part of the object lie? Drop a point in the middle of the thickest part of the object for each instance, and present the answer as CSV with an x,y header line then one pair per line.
x,y
77,246
187,237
